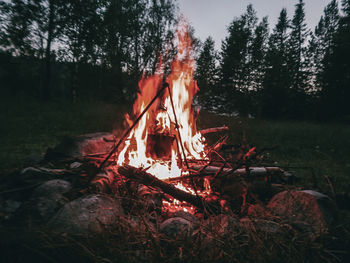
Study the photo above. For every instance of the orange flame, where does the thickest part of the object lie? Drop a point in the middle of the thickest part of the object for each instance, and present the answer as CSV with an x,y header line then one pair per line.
x,y
159,121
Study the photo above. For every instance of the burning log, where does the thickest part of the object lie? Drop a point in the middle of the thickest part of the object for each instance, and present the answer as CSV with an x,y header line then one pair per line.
x,y
212,130
148,179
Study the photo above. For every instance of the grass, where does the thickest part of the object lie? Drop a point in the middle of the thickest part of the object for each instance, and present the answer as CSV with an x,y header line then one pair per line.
x,y
311,150
29,128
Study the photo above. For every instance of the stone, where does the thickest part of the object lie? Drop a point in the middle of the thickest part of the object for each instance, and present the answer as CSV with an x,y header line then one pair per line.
x,y
176,226
48,197
186,215
222,225
77,146
266,227
52,187
75,165
304,207
31,175
8,208
258,211
92,214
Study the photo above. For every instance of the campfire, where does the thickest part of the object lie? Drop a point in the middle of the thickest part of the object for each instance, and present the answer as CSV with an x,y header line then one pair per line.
x,y
159,188
163,138
163,149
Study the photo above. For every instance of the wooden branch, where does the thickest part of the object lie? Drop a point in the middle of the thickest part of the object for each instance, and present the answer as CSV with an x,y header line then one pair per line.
x,y
212,170
217,147
150,180
212,130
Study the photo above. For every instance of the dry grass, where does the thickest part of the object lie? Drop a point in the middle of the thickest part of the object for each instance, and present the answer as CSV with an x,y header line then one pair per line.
x,y
29,128
206,243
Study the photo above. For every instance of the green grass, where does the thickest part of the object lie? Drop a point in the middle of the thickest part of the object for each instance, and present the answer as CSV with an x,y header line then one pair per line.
x,y
28,128
323,147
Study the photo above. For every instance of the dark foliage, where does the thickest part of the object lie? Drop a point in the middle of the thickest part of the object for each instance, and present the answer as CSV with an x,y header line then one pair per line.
x,y
100,49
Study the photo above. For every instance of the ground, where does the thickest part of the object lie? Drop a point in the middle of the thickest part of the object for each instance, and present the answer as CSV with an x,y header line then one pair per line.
x,y
312,151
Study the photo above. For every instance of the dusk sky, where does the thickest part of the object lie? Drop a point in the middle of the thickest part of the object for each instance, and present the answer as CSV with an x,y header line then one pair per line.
x,y
211,17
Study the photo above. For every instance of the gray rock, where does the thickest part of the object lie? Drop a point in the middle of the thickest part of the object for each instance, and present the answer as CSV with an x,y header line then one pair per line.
x,y
81,145
75,165
307,207
90,214
222,225
52,187
8,208
31,175
175,226
266,227
327,205
188,216
48,197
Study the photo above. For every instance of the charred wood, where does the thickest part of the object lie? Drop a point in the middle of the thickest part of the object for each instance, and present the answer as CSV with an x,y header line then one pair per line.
x,y
148,179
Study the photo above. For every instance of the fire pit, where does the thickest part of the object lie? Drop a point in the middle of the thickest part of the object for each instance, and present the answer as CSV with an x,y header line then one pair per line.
x,y
160,180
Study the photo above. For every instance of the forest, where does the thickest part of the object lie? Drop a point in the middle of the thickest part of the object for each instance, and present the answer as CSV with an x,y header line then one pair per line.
x,y
99,49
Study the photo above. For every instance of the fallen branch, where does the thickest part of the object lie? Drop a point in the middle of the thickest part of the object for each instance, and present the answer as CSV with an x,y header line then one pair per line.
x,y
150,180
212,170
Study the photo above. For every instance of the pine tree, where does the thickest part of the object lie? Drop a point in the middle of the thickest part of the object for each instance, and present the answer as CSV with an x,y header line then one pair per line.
x,y
235,63
298,63
206,70
258,54
277,80
346,7
335,94
322,42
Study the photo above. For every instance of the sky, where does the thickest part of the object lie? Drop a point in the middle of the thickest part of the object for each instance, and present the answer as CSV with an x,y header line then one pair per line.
x,y
211,17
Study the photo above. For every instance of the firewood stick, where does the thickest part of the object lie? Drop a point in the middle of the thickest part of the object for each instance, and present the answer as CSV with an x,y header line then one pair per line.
x,y
242,171
150,180
212,130
212,170
217,147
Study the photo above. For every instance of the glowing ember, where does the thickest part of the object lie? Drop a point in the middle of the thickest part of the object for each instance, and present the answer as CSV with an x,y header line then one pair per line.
x,y
154,143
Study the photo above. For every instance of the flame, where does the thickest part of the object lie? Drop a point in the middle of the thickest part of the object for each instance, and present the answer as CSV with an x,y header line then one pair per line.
x,y
158,123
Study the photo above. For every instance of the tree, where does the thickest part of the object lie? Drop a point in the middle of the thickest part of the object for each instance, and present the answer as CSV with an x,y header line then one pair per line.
x,y
335,93
276,80
299,62
235,61
258,54
206,70
80,37
322,42
47,26
136,33
16,30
